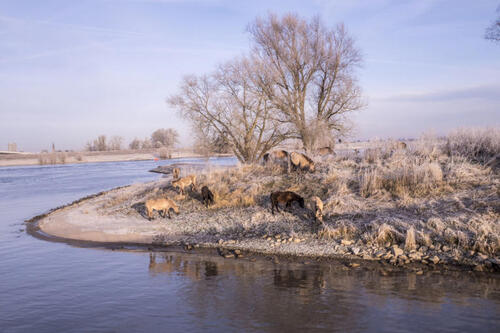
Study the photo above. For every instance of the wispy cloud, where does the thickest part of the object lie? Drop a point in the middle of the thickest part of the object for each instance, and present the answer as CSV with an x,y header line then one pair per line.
x,y
10,19
485,92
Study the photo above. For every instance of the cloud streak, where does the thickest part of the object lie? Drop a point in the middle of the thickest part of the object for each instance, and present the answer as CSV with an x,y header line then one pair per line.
x,y
484,92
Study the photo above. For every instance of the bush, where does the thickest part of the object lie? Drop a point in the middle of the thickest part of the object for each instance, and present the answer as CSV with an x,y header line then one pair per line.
x,y
476,144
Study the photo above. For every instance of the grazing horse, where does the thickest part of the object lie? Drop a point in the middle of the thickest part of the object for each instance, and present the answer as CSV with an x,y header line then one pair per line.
x,y
301,161
185,182
287,198
162,205
208,196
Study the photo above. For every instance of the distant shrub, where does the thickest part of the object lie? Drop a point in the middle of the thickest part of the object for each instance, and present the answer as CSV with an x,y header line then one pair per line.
x,y
476,144
164,153
51,158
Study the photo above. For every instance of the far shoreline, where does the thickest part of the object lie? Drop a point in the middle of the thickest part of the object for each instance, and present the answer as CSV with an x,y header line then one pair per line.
x,y
101,157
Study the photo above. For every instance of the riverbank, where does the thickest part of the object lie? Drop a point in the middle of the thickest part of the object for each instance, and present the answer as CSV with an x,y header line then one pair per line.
x,y
409,208
25,159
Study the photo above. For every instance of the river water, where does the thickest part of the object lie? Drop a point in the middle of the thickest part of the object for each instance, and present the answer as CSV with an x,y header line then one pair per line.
x,y
55,287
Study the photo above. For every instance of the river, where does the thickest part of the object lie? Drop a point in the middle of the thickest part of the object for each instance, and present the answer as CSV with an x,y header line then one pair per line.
x,y
54,287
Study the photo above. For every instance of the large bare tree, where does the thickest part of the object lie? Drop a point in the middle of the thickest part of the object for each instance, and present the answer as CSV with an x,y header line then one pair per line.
x,y
227,105
308,73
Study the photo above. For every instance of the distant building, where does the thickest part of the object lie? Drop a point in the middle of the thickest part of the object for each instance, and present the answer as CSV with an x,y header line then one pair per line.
x,y
12,146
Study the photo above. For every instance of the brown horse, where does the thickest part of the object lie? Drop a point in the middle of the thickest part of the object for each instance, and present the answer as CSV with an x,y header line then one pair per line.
x,y
287,198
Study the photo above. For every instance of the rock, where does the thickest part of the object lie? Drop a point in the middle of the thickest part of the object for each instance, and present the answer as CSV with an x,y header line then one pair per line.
x,y
419,272
415,255
278,236
424,262
269,238
346,242
229,255
388,255
354,265
480,268
379,253
220,241
396,251
435,259
237,252
356,250
403,257
297,240
231,241
482,256
446,248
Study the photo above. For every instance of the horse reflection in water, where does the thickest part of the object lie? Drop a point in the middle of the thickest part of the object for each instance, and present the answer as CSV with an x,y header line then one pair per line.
x,y
195,270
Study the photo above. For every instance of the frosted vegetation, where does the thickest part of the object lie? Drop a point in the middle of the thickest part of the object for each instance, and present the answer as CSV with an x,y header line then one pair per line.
x,y
435,201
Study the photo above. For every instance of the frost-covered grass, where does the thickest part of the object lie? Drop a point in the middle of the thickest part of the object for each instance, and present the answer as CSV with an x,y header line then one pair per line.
x,y
431,196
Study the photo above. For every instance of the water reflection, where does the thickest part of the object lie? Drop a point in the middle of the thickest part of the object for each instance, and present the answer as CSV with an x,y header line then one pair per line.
x,y
331,296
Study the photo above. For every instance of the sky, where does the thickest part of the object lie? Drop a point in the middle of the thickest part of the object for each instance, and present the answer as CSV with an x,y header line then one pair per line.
x,y
72,70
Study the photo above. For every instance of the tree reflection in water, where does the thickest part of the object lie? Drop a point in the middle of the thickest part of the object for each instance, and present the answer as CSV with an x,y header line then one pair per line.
x,y
262,295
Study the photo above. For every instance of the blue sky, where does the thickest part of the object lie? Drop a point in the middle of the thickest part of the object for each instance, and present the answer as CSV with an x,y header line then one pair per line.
x,y
71,70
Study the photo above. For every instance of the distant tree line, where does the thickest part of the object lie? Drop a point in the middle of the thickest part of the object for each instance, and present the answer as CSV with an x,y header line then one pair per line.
x,y
297,82
161,138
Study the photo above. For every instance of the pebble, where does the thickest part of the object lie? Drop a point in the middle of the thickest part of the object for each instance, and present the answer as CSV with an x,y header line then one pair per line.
x,y
479,268
220,241
356,250
346,242
435,259
419,272
415,255
354,265
482,256
297,240
388,255
231,241
397,251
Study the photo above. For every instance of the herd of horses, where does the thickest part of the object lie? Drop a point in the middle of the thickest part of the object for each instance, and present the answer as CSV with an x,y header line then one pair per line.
x,y
294,160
